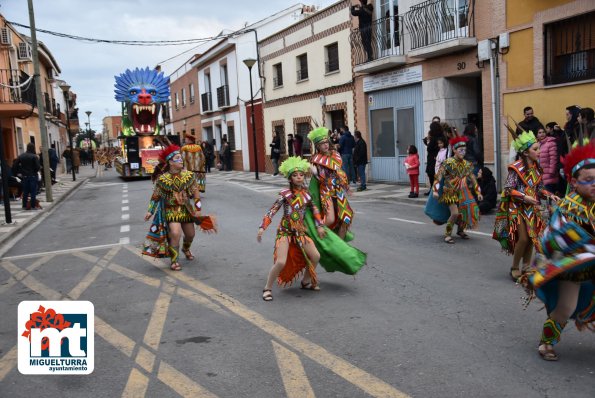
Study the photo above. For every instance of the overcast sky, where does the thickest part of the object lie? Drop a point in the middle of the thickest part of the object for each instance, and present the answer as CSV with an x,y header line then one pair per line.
x,y
90,68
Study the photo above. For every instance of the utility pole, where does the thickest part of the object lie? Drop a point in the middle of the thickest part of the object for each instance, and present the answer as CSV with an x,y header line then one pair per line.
x,y
40,109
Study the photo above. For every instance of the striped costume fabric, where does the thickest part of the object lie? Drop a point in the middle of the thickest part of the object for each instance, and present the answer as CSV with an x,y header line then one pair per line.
x,y
195,161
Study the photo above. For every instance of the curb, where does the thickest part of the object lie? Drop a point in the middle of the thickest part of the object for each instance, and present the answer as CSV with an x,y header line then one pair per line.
x,y
42,212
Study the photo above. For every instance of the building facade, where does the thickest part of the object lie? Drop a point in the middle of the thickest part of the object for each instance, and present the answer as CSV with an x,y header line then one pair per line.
x,y
18,98
185,102
308,77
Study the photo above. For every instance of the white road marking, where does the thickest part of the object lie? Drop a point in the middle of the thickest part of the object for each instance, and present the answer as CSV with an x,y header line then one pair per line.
x,y
409,221
125,208
125,228
77,249
125,201
125,217
479,233
124,240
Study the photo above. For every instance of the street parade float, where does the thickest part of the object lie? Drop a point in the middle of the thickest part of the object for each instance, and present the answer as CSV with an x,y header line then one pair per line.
x,y
142,92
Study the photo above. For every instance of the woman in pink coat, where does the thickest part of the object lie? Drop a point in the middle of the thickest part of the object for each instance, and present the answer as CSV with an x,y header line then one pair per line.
x,y
412,166
548,160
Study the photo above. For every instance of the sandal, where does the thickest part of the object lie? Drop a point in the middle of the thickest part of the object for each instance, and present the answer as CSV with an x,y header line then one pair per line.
x,y
175,267
547,353
310,286
448,239
267,295
188,254
515,274
463,235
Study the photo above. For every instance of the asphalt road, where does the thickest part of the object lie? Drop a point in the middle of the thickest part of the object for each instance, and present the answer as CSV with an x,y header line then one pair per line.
x,y
422,319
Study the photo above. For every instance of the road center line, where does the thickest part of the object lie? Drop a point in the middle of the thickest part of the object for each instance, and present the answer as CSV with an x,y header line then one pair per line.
x,y
292,372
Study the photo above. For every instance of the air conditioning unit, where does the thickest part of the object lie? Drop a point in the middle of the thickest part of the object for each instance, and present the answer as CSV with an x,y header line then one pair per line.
x,y
24,53
5,36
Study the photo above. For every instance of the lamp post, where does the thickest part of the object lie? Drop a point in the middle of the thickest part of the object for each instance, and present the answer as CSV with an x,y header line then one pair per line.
x,y
249,62
91,150
65,89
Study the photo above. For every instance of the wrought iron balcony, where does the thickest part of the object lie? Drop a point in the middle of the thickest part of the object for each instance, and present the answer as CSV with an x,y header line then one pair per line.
x,y
378,47
16,93
438,27
207,103
223,96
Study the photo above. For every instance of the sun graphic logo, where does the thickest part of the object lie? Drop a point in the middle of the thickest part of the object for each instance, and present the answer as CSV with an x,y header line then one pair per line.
x,y
56,337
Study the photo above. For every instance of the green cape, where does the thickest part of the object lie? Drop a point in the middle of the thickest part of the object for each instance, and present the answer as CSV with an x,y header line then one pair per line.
x,y
335,253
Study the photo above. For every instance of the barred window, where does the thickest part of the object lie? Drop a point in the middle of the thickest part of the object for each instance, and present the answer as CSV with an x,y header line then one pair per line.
x,y
332,58
231,137
302,67
570,49
277,75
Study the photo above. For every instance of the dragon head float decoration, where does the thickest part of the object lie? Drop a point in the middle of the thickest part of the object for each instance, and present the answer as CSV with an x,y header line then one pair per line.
x,y
141,92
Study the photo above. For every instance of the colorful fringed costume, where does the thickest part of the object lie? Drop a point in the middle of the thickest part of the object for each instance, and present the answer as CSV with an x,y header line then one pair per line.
x,y
458,187
522,181
292,229
169,203
566,252
331,181
194,161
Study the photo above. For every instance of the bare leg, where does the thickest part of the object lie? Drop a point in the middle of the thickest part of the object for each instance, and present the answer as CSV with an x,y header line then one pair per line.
x,y
174,232
329,217
522,246
282,249
189,233
314,257
454,215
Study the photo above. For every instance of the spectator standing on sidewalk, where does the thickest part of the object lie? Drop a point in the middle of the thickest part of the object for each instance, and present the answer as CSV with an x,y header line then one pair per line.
x,y
67,155
412,166
548,160
346,145
29,167
431,142
275,152
290,141
360,159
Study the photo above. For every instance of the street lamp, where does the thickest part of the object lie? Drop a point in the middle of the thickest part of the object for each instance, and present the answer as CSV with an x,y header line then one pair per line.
x,y
91,151
65,89
249,62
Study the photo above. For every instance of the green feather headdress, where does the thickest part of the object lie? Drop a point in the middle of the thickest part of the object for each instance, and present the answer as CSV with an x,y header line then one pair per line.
x,y
318,135
293,164
521,142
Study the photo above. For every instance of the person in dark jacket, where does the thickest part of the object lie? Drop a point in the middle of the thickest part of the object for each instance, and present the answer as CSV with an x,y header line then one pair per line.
x,y
346,145
275,152
571,127
298,145
530,122
360,159
29,167
290,141
487,184
432,149
474,153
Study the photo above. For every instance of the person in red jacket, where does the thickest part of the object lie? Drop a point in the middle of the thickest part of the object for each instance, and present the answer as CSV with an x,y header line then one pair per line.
x,y
548,160
412,166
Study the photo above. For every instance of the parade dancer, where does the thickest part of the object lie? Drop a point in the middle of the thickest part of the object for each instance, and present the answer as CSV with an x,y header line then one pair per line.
x,y
563,274
518,220
176,205
330,183
194,160
458,186
295,253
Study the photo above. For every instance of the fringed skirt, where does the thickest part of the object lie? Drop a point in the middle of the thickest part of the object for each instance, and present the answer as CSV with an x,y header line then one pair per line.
x,y
297,260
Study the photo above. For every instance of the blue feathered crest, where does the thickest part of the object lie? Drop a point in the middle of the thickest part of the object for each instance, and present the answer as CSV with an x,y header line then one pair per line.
x,y
147,78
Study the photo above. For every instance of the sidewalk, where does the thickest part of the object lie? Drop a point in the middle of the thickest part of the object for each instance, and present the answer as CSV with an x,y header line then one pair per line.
x,y
60,190
376,191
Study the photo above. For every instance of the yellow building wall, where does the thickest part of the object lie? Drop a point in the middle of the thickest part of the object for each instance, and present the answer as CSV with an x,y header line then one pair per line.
x,y
519,60
549,104
522,11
